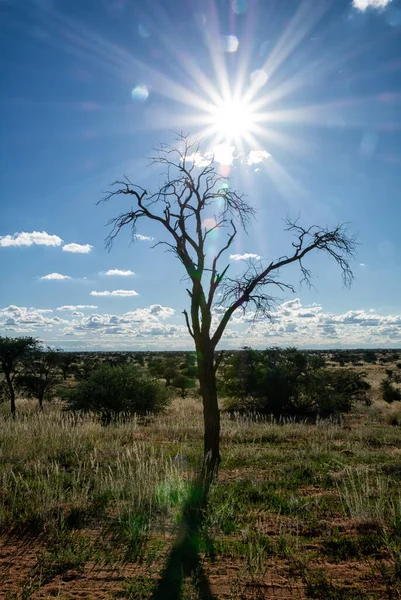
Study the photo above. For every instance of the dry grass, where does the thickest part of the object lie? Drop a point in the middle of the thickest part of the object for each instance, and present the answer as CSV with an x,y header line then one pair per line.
x,y
98,505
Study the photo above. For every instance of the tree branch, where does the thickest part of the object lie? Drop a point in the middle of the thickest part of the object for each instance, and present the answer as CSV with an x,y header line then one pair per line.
x,y
216,279
338,243
191,333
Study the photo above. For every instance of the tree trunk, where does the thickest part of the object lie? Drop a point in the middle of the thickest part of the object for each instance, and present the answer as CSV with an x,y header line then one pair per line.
x,y
11,393
211,413
12,402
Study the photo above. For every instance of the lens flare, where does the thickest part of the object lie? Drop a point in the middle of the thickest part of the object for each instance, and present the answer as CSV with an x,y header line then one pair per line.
x,y
230,43
140,93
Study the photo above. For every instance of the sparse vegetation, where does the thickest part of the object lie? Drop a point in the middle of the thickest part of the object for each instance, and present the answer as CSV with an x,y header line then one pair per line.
x,y
306,509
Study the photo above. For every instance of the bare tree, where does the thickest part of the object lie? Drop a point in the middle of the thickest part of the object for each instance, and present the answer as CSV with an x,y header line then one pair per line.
x,y
190,192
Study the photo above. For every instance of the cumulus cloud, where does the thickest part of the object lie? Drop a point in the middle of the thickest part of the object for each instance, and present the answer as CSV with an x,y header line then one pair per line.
x,y
77,248
199,160
55,277
223,154
257,156
364,4
119,272
70,307
145,323
162,312
158,327
121,293
246,256
143,238
23,319
294,304
294,324
37,238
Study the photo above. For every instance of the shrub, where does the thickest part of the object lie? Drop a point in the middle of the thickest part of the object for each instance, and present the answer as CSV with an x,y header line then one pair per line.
x,y
369,356
389,392
169,370
111,390
289,383
184,384
334,392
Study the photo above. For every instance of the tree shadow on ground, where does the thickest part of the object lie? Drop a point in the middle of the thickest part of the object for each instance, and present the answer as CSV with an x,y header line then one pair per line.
x,y
184,557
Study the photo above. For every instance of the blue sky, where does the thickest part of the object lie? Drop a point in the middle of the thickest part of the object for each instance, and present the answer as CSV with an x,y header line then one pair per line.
x,y
300,101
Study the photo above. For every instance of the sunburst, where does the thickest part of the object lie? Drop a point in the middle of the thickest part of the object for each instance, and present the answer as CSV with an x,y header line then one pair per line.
x,y
231,120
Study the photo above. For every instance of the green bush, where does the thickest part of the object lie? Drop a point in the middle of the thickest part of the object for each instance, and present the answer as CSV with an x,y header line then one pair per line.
x,y
389,392
331,392
184,384
112,390
289,383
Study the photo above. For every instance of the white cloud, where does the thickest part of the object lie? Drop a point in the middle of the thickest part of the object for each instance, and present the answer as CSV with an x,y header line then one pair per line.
x,y
257,156
143,238
121,293
364,4
159,327
75,307
362,264
142,323
199,160
77,248
293,324
290,305
55,276
23,319
222,154
162,312
119,272
246,256
38,238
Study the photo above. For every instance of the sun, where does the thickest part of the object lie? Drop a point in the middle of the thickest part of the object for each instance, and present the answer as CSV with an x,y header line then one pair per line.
x,y
232,120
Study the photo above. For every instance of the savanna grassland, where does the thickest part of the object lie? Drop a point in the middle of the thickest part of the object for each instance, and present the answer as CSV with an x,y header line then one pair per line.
x,y
299,510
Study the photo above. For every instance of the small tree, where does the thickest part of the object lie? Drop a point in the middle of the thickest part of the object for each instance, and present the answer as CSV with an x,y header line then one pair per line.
x,y
13,351
182,206
41,375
